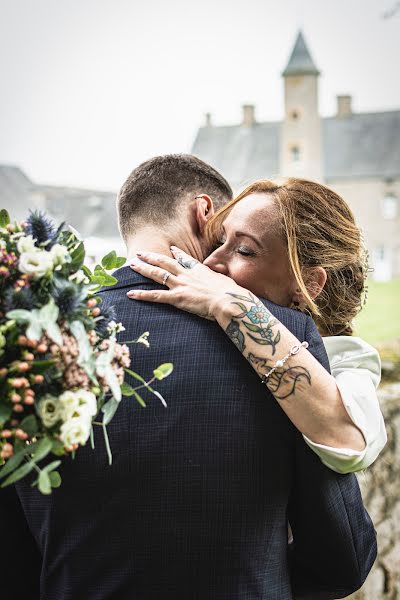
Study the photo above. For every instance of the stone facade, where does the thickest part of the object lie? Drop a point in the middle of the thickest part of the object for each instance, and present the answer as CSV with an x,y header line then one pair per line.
x,y
380,485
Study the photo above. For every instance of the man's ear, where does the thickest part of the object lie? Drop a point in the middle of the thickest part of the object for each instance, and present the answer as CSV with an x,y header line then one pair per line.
x,y
204,211
314,279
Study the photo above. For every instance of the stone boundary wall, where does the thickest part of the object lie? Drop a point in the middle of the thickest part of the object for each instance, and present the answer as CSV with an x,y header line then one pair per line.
x,y
380,486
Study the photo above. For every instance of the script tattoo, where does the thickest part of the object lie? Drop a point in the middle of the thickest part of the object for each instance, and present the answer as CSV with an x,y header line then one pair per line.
x,y
260,321
187,263
234,333
283,382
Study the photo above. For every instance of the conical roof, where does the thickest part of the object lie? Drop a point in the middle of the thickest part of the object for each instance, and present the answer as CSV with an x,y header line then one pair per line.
x,y
300,61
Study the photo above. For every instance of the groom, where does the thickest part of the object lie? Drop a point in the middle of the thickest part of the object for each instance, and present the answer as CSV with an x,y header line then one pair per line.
x,y
196,503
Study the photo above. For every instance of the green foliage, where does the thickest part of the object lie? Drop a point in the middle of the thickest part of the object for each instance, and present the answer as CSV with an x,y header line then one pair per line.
x,y
163,371
112,261
379,320
77,257
4,218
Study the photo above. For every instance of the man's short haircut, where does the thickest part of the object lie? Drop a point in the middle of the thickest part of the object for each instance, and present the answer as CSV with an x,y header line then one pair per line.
x,y
156,190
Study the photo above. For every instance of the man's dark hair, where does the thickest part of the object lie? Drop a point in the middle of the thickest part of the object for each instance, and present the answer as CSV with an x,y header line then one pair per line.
x,y
156,190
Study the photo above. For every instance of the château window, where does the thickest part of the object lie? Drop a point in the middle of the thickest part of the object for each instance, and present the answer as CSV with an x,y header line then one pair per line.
x,y
390,207
295,154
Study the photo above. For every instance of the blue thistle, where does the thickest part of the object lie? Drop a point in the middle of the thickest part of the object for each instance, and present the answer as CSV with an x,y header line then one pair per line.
x,y
42,229
107,314
19,299
68,296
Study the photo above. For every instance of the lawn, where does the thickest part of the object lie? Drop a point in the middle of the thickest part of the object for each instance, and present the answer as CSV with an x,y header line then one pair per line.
x,y
379,320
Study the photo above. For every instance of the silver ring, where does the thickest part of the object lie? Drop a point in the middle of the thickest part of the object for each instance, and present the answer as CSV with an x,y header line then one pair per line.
x,y
165,278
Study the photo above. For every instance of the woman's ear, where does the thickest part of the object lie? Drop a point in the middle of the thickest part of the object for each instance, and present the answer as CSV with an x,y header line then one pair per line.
x,y
204,211
314,279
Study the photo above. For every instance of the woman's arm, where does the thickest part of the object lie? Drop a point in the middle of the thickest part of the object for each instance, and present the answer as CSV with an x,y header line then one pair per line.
x,y
305,391
356,367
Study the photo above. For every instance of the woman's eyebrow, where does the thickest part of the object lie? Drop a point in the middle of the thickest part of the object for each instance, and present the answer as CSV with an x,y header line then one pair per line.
x,y
244,234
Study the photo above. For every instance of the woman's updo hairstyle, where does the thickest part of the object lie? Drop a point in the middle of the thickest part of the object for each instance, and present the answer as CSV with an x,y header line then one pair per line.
x,y
320,231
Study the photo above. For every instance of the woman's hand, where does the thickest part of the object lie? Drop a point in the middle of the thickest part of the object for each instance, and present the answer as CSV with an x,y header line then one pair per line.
x,y
192,286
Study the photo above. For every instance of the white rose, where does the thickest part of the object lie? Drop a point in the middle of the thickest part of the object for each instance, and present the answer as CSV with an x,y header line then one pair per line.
x,y
49,411
87,401
59,255
75,431
26,244
68,405
37,263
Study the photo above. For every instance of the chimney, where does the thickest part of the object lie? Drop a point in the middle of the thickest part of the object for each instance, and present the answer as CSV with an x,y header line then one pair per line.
x,y
208,122
344,106
248,115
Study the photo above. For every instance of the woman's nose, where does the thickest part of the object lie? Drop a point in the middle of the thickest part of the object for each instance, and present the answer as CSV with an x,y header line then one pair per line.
x,y
216,262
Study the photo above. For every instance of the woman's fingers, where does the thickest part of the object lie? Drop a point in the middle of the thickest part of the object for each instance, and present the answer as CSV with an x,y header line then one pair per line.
x,y
160,260
185,260
150,296
157,274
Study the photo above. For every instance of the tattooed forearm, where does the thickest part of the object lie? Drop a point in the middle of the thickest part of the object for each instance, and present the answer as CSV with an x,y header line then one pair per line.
x,y
283,382
234,333
260,321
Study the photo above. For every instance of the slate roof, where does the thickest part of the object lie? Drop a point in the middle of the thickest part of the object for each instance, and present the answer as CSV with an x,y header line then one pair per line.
x,y
91,212
300,61
360,145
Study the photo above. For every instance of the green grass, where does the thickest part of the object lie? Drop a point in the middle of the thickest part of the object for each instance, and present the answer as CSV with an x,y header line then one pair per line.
x,y
379,320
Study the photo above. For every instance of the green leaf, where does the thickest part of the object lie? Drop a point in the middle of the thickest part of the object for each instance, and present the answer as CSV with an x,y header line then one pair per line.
x,y
163,371
44,482
277,337
87,271
109,410
135,375
58,448
12,463
30,425
18,474
42,449
77,257
112,261
252,327
55,479
126,389
107,443
5,414
103,279
4,218
19,314
52,466
54,332
139,399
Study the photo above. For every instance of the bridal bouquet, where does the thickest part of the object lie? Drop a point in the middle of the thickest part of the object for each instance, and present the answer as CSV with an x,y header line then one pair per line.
x,y
60,362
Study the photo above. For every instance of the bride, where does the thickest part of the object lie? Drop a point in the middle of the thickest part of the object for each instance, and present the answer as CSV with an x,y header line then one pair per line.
x,y
295,244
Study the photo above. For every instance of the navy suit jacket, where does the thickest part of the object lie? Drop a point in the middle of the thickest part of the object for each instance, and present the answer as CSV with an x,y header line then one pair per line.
x,y
196,503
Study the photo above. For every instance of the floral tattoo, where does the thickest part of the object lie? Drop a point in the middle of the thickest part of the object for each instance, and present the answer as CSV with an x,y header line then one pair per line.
x,y
261,321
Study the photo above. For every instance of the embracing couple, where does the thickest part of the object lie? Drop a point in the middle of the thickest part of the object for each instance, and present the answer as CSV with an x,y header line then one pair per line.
x,y
242,489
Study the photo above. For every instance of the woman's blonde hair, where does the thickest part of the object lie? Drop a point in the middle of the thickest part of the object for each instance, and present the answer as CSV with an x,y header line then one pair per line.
x,y
320,231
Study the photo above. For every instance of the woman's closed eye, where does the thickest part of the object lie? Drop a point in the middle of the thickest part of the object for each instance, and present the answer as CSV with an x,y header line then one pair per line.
x,y
242,249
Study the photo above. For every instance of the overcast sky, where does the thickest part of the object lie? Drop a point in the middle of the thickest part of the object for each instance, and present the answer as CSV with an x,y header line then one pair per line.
x,y
90,88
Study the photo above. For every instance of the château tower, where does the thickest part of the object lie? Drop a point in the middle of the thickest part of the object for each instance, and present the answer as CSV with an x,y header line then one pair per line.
x,y
301,138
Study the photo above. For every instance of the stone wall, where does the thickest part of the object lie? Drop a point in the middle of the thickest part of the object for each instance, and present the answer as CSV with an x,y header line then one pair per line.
x,y
380,485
